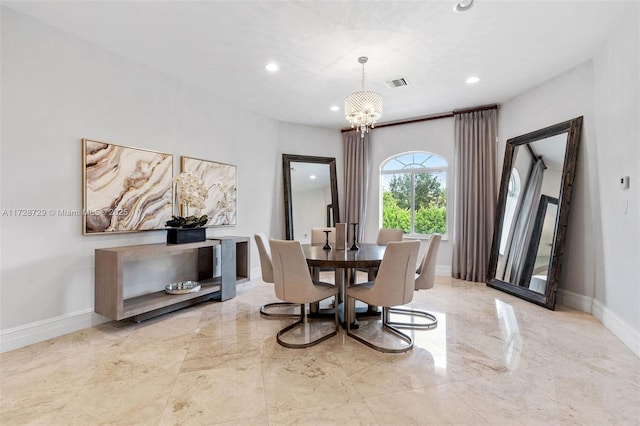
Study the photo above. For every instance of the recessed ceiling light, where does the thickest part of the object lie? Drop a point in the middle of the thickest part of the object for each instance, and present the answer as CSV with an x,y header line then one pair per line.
x,y
473,80
312,177
335,108
272,67
463,5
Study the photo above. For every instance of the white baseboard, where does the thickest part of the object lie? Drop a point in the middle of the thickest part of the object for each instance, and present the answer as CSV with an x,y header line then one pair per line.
x,y
613,323
443,271
617,326
255,273
574,300
39,331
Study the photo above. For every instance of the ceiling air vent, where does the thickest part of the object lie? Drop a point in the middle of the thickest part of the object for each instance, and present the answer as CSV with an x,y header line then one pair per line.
x,y
397,83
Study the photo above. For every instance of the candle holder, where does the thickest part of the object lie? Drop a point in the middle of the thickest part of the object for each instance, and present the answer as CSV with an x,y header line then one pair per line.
x,y
327,246
354,246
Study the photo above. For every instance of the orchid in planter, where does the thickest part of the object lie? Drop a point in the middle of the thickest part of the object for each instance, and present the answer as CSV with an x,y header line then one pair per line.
x,y
190,192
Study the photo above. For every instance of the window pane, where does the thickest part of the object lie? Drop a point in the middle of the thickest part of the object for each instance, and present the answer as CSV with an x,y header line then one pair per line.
x,y
414,193
431,203
415,160
396,202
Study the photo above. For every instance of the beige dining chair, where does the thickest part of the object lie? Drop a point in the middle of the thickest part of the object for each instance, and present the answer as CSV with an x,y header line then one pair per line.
x,y
425,279
267,276
393,286
318,235
293,283
386,235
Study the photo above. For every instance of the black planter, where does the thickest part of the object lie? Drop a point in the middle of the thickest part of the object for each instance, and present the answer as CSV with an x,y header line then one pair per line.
x,y
186,235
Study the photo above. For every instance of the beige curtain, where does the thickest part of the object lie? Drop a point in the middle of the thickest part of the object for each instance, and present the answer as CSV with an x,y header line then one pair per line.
x,y
476,193
356,179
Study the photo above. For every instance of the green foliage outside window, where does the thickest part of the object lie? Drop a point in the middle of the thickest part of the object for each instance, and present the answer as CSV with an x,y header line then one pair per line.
x,y
430,202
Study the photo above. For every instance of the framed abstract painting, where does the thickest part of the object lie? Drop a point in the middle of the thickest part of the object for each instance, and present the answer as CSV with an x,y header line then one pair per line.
x,y
221,181
124,189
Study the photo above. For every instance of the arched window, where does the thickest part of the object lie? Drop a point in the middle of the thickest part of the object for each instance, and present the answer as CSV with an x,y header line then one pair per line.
x,y
414,193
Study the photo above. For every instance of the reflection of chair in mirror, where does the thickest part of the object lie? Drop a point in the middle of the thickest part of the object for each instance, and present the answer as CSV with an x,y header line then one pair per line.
x,y
267,276
393,286
293,284
425,279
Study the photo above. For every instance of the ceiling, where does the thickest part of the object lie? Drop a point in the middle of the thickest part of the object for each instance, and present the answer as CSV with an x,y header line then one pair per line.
x,y
222,47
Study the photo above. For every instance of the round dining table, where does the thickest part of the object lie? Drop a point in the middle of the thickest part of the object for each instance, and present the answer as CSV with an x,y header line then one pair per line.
x,y
344,262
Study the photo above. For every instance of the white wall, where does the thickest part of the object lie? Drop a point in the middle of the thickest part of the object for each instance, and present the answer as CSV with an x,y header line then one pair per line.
x,y
617,131
57,89
435,136
602,252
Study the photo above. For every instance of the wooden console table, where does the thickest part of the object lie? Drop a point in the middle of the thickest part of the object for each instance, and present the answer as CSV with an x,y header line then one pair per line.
x,y
110,283
109,280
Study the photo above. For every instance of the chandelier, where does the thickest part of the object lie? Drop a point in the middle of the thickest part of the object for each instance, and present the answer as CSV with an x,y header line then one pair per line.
x,y
362,109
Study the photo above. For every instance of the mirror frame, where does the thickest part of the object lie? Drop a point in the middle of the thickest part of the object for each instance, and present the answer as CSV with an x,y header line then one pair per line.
x,y
573,129
287,159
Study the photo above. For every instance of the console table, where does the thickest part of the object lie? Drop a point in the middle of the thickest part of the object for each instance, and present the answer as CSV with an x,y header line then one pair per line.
x,y
109,280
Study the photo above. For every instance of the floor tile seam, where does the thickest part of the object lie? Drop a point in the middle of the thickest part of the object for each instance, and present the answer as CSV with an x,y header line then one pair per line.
x,y
264,387
533,389
70,400
273,410
168,395
426,388
346,402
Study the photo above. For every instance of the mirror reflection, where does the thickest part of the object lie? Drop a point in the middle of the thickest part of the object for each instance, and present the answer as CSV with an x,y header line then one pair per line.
x,y
533,211
536,175
310,198
310,195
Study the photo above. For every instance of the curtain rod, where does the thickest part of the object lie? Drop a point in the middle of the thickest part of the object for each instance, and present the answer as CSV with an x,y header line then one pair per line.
x,y
432,117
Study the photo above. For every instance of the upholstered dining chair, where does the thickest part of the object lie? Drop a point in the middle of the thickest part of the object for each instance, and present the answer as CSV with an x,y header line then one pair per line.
x,y
267,276
386,235
393,286
293,283
425,279
318,235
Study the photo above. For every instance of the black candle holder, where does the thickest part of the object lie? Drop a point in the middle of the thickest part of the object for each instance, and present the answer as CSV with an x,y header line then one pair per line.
x,y
354,246
327,246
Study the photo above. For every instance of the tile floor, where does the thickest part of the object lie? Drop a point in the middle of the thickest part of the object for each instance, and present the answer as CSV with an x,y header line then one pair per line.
x,y
492,360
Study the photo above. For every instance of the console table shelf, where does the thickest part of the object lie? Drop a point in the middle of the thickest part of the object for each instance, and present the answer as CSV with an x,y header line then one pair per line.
x,y
160,299
110,283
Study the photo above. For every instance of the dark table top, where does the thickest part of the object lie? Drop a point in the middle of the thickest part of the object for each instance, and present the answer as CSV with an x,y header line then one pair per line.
x,y
368,256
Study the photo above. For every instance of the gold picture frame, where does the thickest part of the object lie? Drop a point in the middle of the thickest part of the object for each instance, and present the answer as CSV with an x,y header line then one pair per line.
x,y
124,189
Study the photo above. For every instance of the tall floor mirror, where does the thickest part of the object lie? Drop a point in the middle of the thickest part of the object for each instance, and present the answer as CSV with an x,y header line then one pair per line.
x,y
533,211
310,194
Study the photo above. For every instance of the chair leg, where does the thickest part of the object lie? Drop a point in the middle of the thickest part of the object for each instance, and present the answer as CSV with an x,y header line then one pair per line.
x,y
264,308
385,326
433,321
301,322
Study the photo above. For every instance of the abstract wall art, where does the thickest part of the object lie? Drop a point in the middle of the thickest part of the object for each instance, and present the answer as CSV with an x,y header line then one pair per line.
x,y
221,180
125,189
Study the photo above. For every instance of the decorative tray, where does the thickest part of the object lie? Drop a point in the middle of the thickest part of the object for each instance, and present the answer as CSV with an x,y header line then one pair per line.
x,y
182,287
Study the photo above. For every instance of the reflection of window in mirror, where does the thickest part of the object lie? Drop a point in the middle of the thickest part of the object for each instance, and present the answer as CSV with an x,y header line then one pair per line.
x,y
510,207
